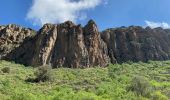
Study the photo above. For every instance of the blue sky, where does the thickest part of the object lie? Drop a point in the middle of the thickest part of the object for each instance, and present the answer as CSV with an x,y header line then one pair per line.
x,y
107,14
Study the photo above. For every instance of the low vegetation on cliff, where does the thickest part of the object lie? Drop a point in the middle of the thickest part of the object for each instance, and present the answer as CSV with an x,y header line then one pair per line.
x,y
127,81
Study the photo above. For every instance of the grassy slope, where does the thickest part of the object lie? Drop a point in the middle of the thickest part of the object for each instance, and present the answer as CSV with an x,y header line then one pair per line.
x,y
85,84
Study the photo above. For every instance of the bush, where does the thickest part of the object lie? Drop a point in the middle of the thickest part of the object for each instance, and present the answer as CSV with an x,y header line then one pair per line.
x,y
114,71
159,96
44,73
140,86
23,96
5,70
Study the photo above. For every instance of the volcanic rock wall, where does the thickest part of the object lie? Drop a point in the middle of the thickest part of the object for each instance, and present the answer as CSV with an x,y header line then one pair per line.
x,y
137,44
74,46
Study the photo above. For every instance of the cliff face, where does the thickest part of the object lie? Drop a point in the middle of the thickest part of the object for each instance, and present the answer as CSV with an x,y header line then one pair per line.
x,y
74,46
137,44
70,45
11,37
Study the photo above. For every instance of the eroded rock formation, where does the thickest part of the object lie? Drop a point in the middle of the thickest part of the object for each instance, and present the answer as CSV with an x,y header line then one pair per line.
x,y
135,43
74,46
12,36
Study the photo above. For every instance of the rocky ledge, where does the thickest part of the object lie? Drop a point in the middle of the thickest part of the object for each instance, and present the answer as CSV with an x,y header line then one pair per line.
x,y
74,46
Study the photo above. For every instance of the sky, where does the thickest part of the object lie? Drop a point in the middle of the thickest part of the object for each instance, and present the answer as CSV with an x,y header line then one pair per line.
x,y
106,13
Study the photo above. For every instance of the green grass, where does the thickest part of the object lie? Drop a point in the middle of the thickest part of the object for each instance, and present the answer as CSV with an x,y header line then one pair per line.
x,y
110,83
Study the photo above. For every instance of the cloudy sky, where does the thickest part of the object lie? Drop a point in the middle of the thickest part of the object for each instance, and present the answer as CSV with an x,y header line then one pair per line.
x,y
106,13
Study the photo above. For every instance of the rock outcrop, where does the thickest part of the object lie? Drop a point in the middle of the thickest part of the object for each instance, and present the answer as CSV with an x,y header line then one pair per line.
x,y
11,37
135,43
63,45
74,46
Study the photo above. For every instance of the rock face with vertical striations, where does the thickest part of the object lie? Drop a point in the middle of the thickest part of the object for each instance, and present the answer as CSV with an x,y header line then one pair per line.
x,y
74,46
96,47
63,45
135,43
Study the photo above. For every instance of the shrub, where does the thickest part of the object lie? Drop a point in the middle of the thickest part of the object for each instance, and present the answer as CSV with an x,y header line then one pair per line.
x,y
44,73
5,70
114,70
159,96
140,86
23,96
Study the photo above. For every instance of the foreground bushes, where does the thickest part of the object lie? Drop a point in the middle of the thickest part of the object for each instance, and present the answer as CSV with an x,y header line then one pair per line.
x,y
127,81
43,73
5,70
140,86
159,96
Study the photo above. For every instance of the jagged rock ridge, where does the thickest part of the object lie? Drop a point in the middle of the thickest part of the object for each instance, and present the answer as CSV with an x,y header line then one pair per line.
x,y
12,36
74,46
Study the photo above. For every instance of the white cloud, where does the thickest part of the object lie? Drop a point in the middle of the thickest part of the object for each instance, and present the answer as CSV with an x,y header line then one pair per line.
x,y
152,24
57,11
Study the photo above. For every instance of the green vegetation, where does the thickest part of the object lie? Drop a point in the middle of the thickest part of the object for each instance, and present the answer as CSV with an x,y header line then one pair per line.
x,y
43,73
5,70
127,81
140,86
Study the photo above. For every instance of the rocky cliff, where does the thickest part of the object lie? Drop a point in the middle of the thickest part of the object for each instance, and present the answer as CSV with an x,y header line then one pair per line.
x,y
74,46
135,43
12,36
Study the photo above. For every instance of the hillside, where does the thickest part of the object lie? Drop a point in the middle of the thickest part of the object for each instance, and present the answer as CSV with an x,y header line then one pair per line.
x,y
127,81
76,46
